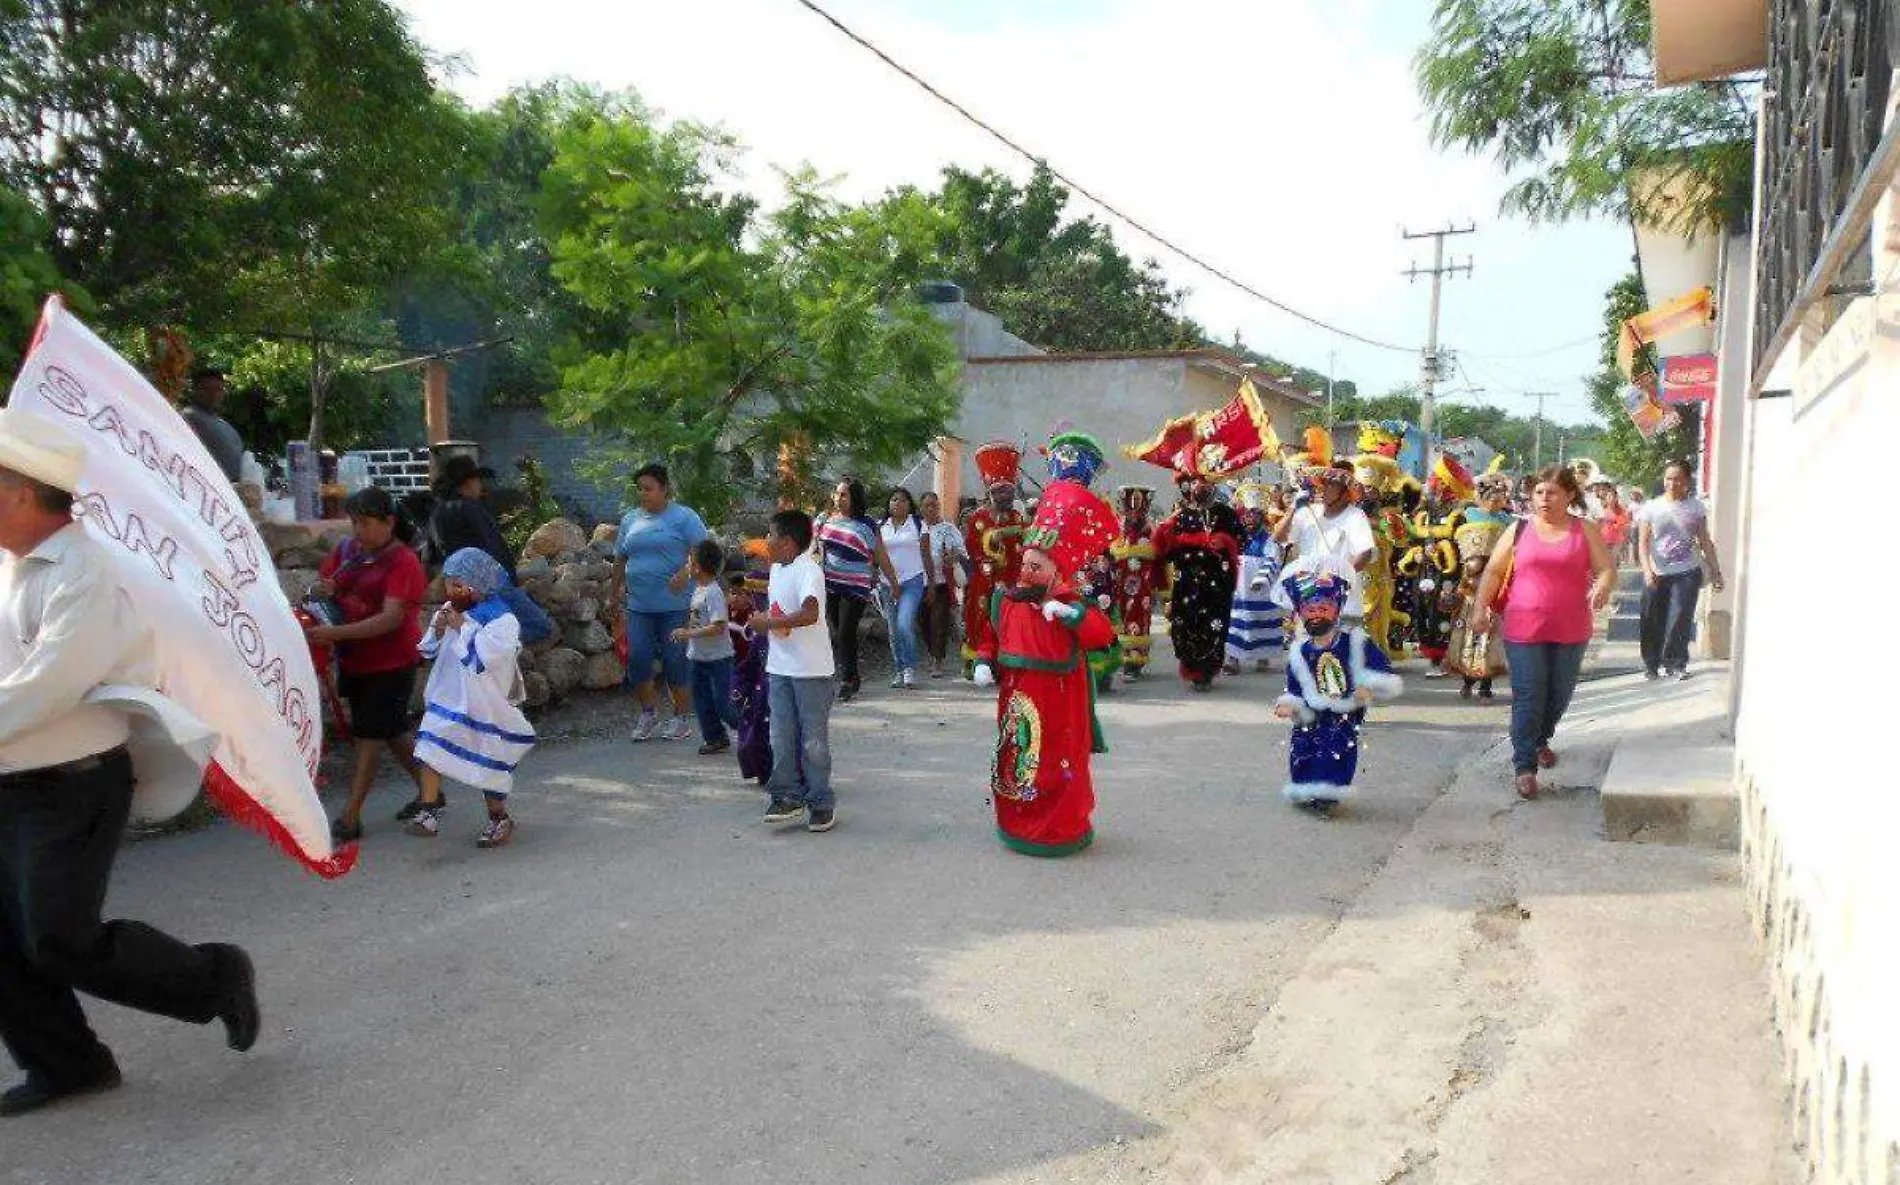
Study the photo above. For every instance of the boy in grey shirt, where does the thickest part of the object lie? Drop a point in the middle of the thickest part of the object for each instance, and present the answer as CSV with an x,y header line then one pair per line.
x,y
709,649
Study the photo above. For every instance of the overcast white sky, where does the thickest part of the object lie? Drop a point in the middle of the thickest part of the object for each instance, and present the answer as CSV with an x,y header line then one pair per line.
x,y
1282,139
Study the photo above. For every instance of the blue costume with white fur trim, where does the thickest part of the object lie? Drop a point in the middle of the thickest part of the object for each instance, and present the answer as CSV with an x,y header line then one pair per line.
x,y
1321,687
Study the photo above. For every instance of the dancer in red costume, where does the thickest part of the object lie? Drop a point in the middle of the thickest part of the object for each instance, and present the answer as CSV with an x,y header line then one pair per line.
x,y
1133,556
1045,709
994,540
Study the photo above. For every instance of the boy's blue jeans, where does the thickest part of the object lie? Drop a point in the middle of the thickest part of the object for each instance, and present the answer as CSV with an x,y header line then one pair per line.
x,y
712,698
801,739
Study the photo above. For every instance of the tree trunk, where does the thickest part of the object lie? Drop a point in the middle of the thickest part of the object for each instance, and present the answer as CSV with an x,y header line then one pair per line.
x,y
319,385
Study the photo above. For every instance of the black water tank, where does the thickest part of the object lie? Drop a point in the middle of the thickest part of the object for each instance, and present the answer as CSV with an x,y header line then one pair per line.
x,y
939,292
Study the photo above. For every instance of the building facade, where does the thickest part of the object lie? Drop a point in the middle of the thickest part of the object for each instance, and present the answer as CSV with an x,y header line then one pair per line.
x,y
1802,457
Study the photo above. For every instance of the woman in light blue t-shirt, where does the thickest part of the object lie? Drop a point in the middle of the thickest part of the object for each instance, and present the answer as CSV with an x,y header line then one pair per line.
x,y
655,539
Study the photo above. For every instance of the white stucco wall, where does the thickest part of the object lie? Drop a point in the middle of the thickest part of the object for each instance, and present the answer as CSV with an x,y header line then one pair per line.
x,y
979,334
1727,474
1821,801
1119,401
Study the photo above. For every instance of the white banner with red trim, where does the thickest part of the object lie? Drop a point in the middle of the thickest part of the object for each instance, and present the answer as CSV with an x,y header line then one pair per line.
x,y
229,650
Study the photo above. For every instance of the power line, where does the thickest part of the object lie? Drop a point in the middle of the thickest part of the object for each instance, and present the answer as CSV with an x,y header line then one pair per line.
x,y
1078,187
1558,348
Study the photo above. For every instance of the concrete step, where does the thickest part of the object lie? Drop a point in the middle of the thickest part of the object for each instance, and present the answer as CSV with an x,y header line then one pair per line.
x,y
1673,789
1625,628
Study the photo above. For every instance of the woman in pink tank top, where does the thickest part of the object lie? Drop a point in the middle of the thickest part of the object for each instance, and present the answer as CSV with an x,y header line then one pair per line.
x,y
1561,577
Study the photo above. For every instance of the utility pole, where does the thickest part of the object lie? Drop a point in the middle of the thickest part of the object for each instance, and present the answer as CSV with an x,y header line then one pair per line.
x,y
1429,366
1537,447
1332,366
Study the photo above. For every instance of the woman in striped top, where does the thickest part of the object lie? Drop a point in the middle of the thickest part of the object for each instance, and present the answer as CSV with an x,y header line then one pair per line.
x,y
852,553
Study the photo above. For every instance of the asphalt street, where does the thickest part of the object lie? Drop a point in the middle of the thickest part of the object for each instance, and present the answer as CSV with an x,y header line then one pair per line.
x,y
651,986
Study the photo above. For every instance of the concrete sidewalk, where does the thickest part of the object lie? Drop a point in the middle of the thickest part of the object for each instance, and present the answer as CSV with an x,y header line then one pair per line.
x,y
1514,999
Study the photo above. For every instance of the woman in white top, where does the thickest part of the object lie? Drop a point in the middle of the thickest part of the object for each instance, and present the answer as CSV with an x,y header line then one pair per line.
x,y
902,533
946,553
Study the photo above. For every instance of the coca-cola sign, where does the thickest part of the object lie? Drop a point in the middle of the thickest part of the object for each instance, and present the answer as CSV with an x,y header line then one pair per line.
x,y
1689,378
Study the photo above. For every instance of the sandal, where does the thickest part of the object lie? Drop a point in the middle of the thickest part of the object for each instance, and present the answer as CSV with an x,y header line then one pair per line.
x,y
1527,786
1546,757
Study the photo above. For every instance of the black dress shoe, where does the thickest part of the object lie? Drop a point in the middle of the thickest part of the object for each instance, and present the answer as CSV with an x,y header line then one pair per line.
x,y
237,999
35,1093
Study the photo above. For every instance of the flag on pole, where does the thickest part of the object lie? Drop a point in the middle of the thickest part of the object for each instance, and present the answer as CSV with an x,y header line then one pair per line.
x,y
1688,311
229,650
1214,444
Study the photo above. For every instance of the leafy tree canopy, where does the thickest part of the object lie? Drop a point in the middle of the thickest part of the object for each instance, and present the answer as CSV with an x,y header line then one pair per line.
x,y
1563,93
1063,284
717,337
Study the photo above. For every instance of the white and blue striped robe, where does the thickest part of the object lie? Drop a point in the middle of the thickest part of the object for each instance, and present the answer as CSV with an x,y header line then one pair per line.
x,y
1255,627
472,731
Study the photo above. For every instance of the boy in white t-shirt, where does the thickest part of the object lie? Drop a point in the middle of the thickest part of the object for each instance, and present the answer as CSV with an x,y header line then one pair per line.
x,y
798,670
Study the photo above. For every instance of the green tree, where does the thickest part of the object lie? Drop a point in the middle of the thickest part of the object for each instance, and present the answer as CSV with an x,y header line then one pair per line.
x,y
1562,94
714,337
27,277
1064,285
171,145
226,166
1624,452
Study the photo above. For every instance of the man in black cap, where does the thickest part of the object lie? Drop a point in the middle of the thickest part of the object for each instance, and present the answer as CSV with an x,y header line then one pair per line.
x,y
220,439
462,519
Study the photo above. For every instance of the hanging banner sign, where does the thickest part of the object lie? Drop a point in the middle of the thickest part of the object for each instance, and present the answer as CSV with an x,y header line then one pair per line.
x,y
1689,378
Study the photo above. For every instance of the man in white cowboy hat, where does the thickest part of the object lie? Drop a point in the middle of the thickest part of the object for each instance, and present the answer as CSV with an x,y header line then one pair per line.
x,y
71,641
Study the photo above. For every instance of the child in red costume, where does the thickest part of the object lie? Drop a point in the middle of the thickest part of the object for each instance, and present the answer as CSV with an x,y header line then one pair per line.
x,y
1045,703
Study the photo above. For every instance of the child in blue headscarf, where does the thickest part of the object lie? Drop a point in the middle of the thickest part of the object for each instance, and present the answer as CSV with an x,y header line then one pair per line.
x,y
472,728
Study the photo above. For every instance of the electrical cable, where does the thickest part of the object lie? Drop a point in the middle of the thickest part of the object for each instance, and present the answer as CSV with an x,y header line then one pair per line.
x,y
1083,190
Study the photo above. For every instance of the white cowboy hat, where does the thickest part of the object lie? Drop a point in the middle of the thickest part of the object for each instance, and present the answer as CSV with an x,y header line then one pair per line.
x,y
40,448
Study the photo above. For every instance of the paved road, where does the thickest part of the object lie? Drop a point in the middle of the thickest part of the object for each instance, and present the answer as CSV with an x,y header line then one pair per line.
x,y
650,986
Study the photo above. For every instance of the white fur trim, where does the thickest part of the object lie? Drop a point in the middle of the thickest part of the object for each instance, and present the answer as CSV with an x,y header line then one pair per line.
x,y
1301,792
1301,712
1382,684
1309,690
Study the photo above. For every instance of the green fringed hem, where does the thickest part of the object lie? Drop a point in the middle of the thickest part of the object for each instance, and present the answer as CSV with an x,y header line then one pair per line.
x,y
1044,849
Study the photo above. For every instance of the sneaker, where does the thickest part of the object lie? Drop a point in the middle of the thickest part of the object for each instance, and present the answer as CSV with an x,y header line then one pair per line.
x,y
342,833
427,823
711,747
497,834
1437,673
822,819
1652,674
1546,757
1682,676
783,810
1527,786
897,680
910,678
643,727
936,670
676,729
410,808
